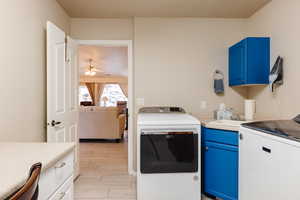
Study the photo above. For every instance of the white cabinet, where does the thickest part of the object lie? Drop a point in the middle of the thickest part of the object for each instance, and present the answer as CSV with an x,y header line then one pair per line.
x,y
56,183
268,167
65,192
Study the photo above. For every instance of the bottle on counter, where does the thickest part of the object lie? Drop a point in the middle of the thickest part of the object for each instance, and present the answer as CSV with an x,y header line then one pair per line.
x,y
219,114
223,113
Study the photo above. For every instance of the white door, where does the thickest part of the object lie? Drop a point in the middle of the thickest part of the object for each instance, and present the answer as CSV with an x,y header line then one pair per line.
x,y
62,87
73,80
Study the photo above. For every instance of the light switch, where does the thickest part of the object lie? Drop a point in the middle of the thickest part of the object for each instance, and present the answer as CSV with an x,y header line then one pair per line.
x,y
203,105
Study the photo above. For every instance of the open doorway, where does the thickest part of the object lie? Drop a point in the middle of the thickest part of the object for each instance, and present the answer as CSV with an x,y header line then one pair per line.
x,y
103,93
105,128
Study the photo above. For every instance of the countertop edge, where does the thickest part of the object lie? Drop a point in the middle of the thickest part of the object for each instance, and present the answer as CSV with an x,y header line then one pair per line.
x,y
48,165
62,155
205,123
222,127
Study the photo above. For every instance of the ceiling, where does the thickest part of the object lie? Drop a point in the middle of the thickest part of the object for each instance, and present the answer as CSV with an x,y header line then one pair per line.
x,y
112,61
161,8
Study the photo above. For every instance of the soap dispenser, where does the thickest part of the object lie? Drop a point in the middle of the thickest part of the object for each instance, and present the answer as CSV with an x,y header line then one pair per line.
x,y
220,112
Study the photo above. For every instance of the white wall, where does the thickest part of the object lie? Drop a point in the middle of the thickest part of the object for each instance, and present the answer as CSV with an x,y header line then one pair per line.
x,y
102,29
23,66
279,20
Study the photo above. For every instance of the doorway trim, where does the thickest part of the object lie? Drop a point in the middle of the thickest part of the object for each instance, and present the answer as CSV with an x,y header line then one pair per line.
x,y
129,45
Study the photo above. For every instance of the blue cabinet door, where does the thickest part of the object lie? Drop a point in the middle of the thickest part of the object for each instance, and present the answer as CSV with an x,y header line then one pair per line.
x,y
258,60
237,63
249,62
220,170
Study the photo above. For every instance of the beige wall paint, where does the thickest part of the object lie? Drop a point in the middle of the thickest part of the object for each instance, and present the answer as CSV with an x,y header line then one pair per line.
x,y
102,29
279,20
174,57
175,60
196,46
23,66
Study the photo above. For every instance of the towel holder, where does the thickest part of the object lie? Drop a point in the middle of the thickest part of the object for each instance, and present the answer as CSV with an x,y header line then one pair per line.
x,y
218,73
218,78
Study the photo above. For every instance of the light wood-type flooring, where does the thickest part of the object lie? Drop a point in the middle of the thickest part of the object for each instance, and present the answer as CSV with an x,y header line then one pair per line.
x,y
104,174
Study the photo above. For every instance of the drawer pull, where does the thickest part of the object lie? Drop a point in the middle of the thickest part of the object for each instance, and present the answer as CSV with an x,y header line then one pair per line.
x,y
241,136
61,195
266,149
61,165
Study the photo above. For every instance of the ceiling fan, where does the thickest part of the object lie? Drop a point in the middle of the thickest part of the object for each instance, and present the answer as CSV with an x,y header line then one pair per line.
x,y
92,70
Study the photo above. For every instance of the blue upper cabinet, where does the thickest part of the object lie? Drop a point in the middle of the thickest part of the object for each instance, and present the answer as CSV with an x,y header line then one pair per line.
x,y
249,62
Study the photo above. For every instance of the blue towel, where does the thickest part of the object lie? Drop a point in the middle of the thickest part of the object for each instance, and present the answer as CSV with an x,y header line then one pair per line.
x,y
219,86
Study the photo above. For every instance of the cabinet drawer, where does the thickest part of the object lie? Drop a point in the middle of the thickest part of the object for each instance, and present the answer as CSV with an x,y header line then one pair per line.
x,y
220,136
55,176
63,169
65,192
47,185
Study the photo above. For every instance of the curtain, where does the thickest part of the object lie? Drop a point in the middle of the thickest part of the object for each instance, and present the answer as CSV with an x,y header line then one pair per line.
x,y
99,87
91,88
124,87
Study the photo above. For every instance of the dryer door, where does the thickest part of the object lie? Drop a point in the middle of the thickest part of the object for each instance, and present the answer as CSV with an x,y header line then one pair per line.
x,y
169,152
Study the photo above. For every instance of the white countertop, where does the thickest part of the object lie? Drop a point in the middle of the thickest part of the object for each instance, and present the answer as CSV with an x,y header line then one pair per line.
x,y
229,125
17,158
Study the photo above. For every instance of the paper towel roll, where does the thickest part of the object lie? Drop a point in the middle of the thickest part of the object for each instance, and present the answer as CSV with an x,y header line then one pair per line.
x,y
249,109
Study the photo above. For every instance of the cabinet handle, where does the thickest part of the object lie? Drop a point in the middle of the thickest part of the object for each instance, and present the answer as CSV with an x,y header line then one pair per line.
x,y
241,136
61,165
61,195
266,149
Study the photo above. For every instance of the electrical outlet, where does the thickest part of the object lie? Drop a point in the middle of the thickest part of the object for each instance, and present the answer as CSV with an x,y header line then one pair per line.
x,y
140,101
203,105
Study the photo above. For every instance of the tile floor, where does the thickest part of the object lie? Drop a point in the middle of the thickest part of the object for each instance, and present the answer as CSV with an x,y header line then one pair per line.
x,y
104,173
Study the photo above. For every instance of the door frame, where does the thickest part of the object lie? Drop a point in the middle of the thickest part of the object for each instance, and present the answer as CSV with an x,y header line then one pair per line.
x,y
129,45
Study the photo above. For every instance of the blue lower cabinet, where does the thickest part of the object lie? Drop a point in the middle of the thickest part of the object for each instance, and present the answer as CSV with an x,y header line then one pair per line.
x,y
220,169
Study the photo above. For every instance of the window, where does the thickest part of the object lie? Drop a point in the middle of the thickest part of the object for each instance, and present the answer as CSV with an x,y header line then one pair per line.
x,y
84,94
112,93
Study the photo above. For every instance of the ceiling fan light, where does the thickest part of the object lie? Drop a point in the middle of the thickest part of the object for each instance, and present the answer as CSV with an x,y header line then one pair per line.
x,y
93,73
91,69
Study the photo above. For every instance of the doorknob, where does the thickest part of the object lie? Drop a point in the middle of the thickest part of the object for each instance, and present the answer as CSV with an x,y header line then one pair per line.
x,y
54,123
